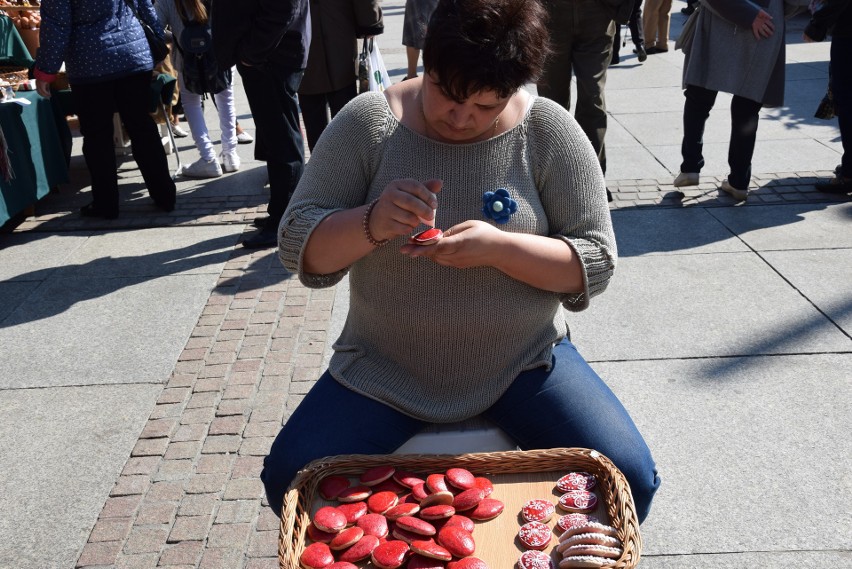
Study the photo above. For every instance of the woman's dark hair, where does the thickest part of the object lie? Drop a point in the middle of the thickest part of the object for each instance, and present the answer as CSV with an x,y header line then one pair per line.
x,y
477,45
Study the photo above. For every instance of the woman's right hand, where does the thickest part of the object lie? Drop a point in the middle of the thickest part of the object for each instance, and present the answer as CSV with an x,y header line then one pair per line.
x,y
762,26
403,205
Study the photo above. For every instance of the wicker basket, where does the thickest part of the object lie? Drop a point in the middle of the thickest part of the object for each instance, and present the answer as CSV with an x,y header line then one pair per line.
x,y
14,76
612,486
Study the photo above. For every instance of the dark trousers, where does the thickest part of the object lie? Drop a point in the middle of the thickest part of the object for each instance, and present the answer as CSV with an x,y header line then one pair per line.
x,y
315,110
841,86
744,118
637,34
130,96
582,33
271,91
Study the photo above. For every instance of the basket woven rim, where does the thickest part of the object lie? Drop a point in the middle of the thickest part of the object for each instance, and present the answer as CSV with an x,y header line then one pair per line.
x,y
298,500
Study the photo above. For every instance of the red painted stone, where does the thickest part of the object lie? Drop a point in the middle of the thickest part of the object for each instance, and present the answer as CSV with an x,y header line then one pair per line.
x,y
468,499
572,520
316,556
353,511
578,501
535,560
389,485
468,563
439,498
316,534
423,562
373,524
576,481
436,483
457,541
361,550
427,237
342,565
538,510
439,512
354,494
483,484
404,509
461,478
461,521
376,474
381,502
330,487
390,554
407,479
487,509
419,491
416,525
330,519
431,549
405,535
346,538
535,535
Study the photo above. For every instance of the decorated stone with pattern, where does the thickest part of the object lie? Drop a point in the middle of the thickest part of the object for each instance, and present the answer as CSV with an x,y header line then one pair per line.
x,y
535,535
576,481
535,559
575,519
538,510
581,501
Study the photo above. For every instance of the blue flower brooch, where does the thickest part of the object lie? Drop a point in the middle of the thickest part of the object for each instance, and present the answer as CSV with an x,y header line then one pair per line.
x,y
497,205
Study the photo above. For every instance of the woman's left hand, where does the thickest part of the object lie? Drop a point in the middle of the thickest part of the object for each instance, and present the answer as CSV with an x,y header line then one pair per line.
x,y
472,243
43,88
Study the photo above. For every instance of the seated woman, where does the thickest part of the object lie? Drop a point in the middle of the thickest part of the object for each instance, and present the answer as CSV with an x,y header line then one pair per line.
x,y
473,324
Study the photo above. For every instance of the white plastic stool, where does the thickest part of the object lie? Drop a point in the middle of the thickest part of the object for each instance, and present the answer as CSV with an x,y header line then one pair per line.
x,y
473,435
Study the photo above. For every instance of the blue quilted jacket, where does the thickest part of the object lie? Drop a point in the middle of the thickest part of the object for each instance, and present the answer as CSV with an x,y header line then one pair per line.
x,y
97,39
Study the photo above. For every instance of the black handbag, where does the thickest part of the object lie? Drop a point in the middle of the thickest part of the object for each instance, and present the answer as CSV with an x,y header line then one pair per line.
x,y
159,48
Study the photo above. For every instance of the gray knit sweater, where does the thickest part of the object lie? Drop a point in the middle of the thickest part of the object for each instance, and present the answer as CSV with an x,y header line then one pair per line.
x,y
438,343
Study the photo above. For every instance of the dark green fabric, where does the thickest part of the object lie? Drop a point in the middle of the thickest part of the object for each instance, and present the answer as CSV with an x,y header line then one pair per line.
x,y
35,152
13,50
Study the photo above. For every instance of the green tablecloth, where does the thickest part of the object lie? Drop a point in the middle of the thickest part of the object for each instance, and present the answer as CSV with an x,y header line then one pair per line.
x,y
13,50
36,153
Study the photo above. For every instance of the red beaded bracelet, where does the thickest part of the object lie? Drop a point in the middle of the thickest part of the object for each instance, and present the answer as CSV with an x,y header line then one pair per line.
x,y
365,223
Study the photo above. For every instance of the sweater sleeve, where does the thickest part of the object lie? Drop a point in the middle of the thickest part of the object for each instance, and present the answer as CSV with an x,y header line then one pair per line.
x,y
54,36
573,193
337,177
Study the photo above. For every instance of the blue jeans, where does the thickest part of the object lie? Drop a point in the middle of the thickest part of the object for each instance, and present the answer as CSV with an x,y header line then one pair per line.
x,y
568,406
272,93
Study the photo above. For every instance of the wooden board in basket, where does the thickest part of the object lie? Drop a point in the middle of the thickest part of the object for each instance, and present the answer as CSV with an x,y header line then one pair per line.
x,y
517,476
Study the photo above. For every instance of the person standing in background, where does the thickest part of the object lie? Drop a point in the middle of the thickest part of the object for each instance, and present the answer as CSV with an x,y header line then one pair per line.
x,y
636,34
330,77
268,42
656,22
835,17
109,66
414,24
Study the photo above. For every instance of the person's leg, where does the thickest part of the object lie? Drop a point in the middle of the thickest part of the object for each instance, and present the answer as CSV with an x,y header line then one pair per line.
x,y
194,113
338,99
663,23
94,104
315,116
412,56
744,120
227,118
650,20
273,100
697,105
841,85
331,420
637,30
555,82
570,406
591,56
133,98
616,45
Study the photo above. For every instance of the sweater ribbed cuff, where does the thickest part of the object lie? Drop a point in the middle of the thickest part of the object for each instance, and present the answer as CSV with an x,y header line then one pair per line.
x,y
44,76
598,267
294,232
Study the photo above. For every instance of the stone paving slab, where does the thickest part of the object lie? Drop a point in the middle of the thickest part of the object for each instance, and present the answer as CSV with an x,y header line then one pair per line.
x,y
667,231
32,256
83,331
60,452
14,294
798,559
707,305
737,441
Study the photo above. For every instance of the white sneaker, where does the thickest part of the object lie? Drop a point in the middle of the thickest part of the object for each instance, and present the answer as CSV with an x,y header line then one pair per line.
x,y
738,194
202,169
686,179
244,138
230,162
179,132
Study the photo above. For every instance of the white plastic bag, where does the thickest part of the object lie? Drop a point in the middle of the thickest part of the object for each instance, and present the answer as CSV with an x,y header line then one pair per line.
x,y
378,74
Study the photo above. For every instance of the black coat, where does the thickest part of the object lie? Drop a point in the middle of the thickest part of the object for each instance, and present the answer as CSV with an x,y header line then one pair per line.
x,y
834,17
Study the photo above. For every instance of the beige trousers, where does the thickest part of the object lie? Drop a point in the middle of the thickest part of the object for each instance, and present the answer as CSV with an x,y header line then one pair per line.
x,y
655,20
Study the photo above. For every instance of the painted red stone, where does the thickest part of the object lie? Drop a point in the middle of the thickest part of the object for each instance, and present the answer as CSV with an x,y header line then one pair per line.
x,y
373,524
483,484
316,534
419,491
354,494
361,550
439,498
436,483
576,481
330,519
342,565
461,521
390,554
407,479
457,541
330,487
487,509
581,501
468,499
538,510
535,559
416,525
427,237
405,535
535,535
576,519
389,485
423,562
316,556
381,502
377,474
404,509
461,478
468,563
431,549
346,538
440,512
353,511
